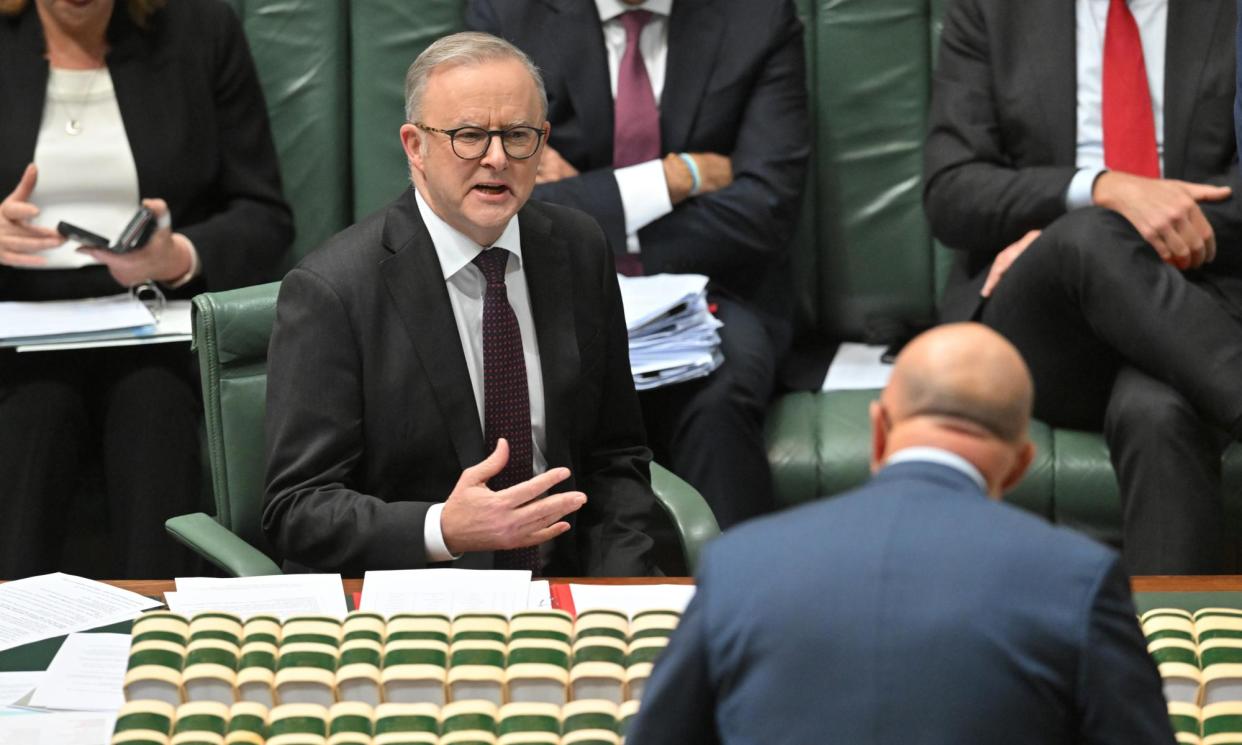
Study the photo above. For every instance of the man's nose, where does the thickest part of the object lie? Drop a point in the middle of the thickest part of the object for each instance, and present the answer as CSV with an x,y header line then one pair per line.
x,y
495,157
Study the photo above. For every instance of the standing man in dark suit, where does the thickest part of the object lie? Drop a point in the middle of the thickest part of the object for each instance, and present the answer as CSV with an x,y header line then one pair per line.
x,y
917,608
1079,160
439,368
681,126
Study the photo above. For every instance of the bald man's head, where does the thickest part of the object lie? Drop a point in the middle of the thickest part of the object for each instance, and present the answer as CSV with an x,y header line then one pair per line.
x,y
964,388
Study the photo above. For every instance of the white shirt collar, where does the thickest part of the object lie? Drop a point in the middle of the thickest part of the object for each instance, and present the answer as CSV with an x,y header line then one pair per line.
x,y
454,248
942,457
610,9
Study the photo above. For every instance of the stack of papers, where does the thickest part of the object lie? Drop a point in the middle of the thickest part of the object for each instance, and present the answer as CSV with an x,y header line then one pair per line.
x,y
55,604
281,595
673,335
117,320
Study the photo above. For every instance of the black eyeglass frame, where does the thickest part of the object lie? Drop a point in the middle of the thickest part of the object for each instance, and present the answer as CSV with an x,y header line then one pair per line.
x,y
540,133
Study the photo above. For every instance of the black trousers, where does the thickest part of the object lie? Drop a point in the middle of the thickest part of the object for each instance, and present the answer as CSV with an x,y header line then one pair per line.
x,y
1120,341
132,409
710,431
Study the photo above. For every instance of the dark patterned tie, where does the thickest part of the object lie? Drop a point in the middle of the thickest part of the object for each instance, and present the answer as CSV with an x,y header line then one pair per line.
x,y
506,399
636,118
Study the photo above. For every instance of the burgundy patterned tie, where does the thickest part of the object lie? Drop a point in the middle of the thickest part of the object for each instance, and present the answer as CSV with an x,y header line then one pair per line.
x,y
506,399
636,122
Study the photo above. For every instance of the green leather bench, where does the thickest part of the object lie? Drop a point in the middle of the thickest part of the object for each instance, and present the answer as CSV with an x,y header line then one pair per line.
x,y
333,76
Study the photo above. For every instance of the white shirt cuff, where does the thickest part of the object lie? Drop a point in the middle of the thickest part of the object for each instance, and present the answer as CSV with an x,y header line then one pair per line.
x,y
433,539
644,197
1078,195
194,267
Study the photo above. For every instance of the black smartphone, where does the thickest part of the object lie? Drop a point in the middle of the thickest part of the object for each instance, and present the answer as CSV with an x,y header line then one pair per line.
x,y
137,232
81,235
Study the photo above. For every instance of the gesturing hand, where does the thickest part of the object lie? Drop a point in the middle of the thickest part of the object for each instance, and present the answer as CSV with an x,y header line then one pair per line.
x,y
475,518
19,240
1005,259
1165,212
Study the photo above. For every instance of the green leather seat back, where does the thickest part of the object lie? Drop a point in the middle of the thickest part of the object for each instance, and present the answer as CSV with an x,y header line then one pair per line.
x,y
300,48
231,331
386,36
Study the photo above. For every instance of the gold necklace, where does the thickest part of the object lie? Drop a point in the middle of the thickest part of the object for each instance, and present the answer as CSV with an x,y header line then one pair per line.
x,y
73,122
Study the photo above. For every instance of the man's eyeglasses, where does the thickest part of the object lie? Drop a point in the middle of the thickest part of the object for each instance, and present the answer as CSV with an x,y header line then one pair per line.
x,y
471,143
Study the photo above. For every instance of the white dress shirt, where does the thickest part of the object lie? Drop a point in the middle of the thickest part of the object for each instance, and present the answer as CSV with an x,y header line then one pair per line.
x,y
926,454
644,190
466,287
1090,24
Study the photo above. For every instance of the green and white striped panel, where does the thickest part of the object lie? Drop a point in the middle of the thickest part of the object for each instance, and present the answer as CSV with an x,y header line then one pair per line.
x,y
1178,662
1218,627
350,723
1222,723
538,671
311,630
298,724
358,671
641,656
154,672
200,722
477,671
1186,718
225,627
626,715
407,724
479,627
602,622
138,721
256,673
265,629
415,671
1221,660
590,721
468,721
210,672
363,625
160,626
247,724
306,673
598,670
553,624
419,627
649,623
529,724
1168,623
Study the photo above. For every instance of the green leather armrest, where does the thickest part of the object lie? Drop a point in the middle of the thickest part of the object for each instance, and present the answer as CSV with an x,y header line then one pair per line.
x,y
211,540
695,523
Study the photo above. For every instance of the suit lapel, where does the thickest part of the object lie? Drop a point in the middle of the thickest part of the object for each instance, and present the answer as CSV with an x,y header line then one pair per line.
x,y
1056,76
694,32
550,286
416,286
1190,27
584,62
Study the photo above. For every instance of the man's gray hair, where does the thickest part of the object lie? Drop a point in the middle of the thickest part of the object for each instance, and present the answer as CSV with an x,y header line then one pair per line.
x,y
465,48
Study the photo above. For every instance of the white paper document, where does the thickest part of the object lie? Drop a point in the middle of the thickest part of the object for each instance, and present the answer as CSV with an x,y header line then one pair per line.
x,y
673,337
56,604
59,728
87,674
857,367
632,599
449,591
172,324
281,595
16,686
540,595
24,320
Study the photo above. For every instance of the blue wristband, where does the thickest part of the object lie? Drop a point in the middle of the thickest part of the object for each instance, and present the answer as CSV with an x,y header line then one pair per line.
x,y
695,180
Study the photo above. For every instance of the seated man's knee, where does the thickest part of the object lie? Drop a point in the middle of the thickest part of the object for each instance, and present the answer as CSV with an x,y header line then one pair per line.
x,y
1144,409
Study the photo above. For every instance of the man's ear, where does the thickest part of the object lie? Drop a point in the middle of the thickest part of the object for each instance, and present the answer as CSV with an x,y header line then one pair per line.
x,y
1025,455
879,434
411,143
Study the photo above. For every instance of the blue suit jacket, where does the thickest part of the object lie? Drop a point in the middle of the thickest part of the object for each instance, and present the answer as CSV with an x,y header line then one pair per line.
x,y
912,610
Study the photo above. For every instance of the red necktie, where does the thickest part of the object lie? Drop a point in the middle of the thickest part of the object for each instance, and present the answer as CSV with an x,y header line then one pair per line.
x,y
1129,126
506,399
636,119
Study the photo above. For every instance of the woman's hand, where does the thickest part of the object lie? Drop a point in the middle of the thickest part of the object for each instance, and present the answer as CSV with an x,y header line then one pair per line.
x,y
167,257
19,240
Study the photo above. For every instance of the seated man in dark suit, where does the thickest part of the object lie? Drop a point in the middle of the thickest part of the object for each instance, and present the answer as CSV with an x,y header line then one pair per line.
x,y
1079,160
681,125
916,608
440,367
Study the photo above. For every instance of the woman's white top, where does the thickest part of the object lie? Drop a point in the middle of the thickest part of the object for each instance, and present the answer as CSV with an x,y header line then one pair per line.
x,y
88,178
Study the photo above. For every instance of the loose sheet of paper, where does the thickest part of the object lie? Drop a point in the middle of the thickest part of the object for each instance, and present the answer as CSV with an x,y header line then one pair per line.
x,y
174,324
857,367
87,674
59,728
56,604
16,686
540,595
632,599
22,319
280,595
449,591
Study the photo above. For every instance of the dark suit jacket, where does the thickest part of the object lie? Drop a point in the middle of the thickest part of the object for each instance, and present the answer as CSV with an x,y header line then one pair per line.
x,y
1001,147
371,416
735,84
196,123
911,610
